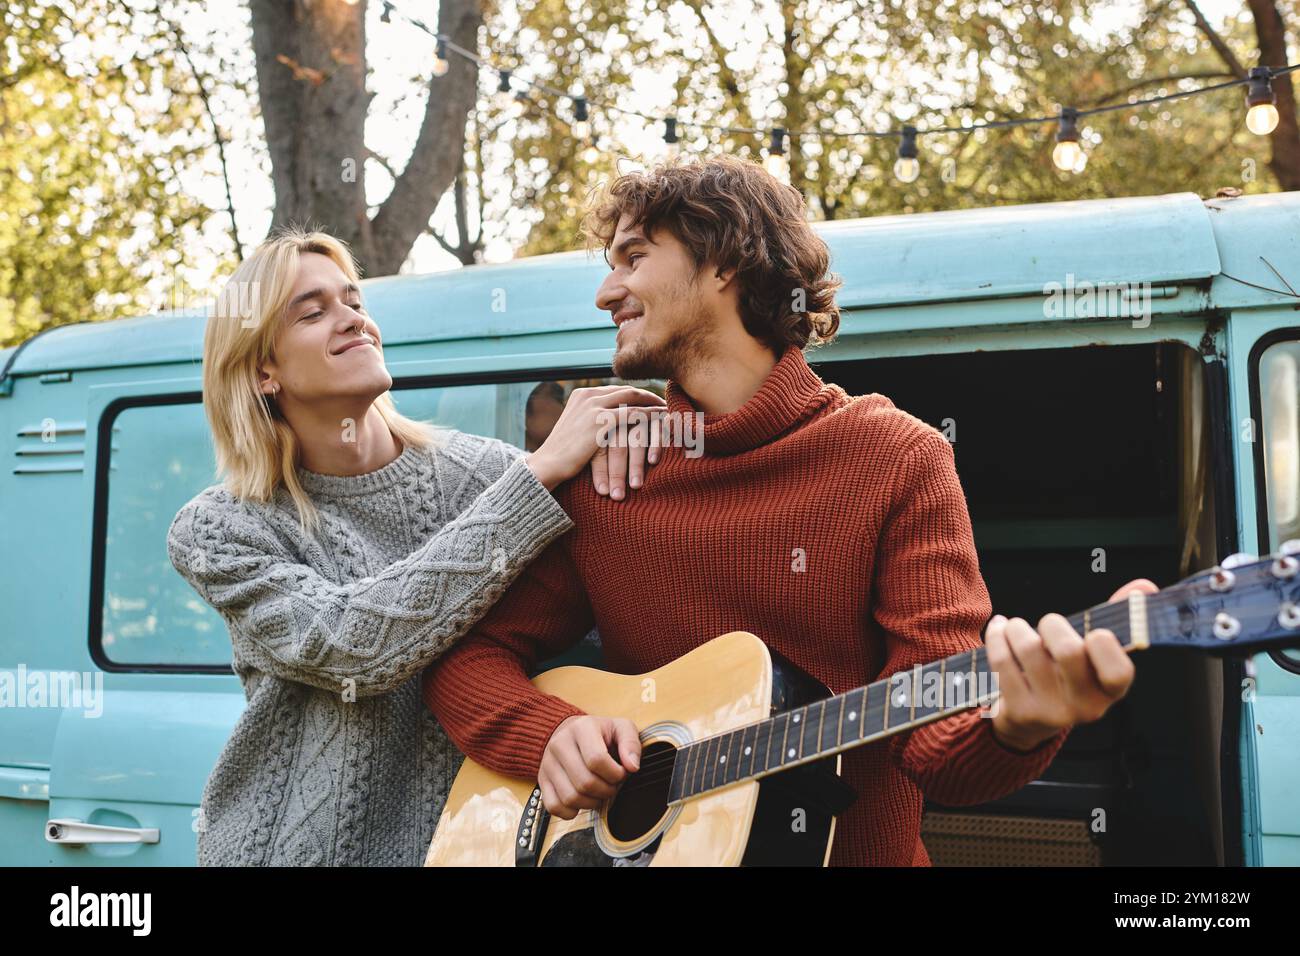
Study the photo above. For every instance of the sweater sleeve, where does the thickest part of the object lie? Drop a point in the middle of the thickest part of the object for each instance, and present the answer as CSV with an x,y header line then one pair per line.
x,y
370,635
480,690
931,602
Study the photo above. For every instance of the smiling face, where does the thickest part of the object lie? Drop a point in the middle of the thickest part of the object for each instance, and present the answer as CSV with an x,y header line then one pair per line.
x,y
663,308
327,346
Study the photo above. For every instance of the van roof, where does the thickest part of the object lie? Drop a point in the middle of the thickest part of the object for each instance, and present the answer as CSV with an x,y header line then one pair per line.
x,y
886,260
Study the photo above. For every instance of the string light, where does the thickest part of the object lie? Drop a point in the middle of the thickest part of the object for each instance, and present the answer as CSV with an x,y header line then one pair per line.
x,y
503,96
671,150
581,124
1261,118
440,63
907,167
776,162
1067,154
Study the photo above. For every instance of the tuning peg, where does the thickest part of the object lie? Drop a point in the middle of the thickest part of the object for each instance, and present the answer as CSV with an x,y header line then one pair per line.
x,y
1290,546
1221,580
1238,559
1226,627
1288,615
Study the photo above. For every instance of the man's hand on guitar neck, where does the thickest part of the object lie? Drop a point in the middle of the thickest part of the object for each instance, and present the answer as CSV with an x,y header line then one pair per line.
x,y
577,771
1052,678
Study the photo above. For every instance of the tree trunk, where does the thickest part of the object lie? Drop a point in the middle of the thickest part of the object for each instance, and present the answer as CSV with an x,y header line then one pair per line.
x,y
311,73
1272,52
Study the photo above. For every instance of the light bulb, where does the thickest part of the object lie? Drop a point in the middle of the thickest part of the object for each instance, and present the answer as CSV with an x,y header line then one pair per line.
x,y
440,63
669,150
590,154
777,165
1261,119
504,96
907,169
1066,155
581,129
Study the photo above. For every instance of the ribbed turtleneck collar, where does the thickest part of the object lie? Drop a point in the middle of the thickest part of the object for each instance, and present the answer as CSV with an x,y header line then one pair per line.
x,y
791,393
401,467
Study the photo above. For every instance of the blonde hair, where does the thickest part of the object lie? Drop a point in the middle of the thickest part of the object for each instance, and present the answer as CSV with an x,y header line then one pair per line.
x,y
256,449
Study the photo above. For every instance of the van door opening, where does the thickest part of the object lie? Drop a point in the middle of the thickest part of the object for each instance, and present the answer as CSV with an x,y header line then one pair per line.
x,y
1084,468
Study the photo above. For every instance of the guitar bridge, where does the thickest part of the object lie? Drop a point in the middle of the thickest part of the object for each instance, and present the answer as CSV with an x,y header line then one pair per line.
x,y
531,830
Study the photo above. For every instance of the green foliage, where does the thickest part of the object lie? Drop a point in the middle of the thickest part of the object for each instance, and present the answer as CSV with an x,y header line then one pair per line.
x,y
100,124
852,64
104,131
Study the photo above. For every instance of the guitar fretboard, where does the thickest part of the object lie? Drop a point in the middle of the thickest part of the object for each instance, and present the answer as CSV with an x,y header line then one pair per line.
x,y
894,704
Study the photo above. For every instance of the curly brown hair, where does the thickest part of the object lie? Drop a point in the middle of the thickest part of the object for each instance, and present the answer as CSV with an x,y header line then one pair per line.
x,y
734,214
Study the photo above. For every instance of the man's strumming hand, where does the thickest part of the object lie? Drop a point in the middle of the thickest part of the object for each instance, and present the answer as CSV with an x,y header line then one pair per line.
x,y
577,770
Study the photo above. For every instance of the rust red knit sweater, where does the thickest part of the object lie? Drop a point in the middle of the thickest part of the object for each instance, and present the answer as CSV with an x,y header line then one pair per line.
x,y
861,494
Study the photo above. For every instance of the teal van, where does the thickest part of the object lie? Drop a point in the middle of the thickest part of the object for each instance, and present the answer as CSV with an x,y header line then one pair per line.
x,y
1120,380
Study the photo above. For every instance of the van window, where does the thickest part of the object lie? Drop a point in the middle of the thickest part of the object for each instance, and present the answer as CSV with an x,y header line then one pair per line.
x,y
1279,396
1277,378
162,456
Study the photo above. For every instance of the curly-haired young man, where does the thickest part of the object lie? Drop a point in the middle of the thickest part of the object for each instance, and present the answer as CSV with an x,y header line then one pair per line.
x,y
718,283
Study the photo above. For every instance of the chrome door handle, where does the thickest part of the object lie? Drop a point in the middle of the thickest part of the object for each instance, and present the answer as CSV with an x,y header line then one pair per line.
x,y
75,832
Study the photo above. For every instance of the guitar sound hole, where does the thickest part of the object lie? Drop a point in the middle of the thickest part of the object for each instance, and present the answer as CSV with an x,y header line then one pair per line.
x,y
643,798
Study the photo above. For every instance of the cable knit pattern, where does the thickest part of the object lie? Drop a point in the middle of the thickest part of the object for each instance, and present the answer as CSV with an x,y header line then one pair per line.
x,y
833,527
335,761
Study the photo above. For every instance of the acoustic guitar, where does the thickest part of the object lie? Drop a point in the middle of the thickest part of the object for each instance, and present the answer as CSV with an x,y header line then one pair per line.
x,y
740,749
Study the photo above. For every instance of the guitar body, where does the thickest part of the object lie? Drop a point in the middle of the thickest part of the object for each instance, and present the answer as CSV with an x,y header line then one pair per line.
x,y
728,683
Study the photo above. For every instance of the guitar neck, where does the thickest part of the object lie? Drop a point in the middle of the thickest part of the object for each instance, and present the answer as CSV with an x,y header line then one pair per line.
x,y
892,705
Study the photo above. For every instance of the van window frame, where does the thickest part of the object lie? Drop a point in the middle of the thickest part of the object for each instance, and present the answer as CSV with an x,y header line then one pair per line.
x,y
1262,521
99,513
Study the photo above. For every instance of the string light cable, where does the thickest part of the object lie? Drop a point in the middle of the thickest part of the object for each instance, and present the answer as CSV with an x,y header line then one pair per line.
x,y
1067,154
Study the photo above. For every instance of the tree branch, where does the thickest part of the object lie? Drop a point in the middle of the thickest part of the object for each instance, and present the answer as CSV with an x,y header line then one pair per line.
x,y
387,166
175,32
1216,41
726,76
1155,80
439,147
443,242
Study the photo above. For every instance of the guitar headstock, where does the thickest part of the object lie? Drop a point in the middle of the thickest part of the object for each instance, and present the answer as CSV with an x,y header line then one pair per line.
x,y
1244,605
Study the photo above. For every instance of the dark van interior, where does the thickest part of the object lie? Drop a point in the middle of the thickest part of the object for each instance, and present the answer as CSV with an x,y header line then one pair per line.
x,y
1062,452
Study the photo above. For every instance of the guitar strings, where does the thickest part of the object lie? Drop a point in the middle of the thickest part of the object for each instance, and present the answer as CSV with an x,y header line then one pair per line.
x,y
1101,616
667,760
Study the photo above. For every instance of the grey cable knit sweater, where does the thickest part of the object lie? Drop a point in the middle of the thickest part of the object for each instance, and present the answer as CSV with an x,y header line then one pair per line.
x,y
335,760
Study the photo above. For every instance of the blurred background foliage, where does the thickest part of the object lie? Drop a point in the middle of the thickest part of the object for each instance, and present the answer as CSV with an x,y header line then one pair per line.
x,y
134,170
